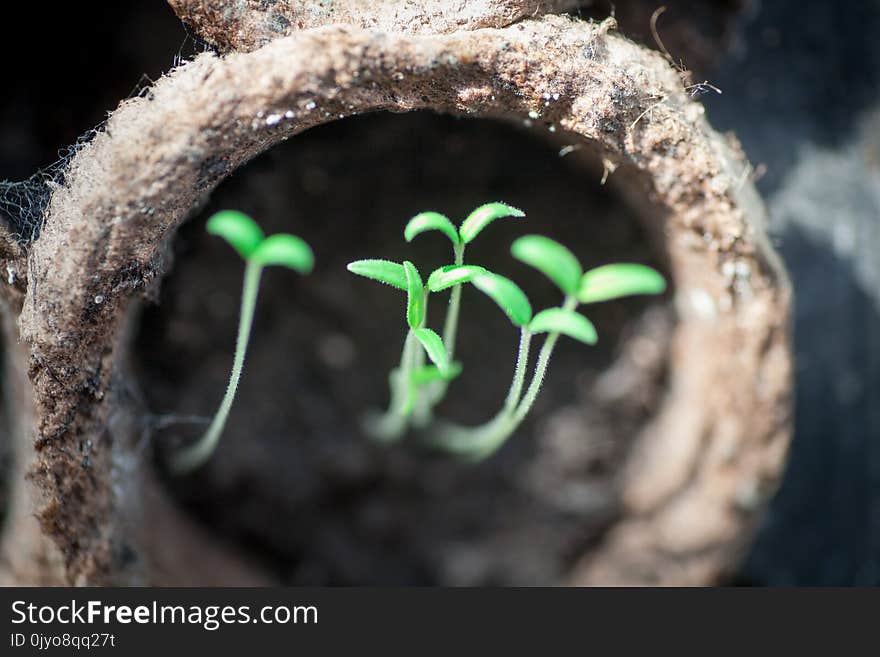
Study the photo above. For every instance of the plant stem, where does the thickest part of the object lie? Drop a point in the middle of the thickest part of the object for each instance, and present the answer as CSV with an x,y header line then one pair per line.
x,y
436,391
537,380
540,370
415,401
519,373
390,425
476,443
450,325
196,454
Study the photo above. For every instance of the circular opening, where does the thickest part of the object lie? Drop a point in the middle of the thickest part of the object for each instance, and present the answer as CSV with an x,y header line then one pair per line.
x,y
294,481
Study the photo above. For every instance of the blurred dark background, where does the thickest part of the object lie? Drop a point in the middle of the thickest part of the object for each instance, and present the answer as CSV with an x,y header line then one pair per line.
x,y
801,90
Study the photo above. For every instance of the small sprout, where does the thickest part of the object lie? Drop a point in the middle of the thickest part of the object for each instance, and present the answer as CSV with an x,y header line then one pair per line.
x,y
621,280
445,277
425,221
483,216
392,424
384,271
246,237
415,293
507,294
550,258
566,322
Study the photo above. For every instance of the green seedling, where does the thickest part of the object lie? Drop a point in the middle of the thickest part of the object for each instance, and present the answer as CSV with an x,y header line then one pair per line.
x,y
453,276
558,264
258,252
415,388
439,280
412,372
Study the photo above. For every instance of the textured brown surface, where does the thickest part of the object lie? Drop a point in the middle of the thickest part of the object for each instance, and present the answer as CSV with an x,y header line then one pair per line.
x,y
244,25
703,468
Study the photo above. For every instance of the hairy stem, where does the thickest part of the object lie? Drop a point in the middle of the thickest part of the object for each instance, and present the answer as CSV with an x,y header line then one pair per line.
x,y
519,373
198,453
540,370
476,443
450,325
416,401
390,426
537,380
436,391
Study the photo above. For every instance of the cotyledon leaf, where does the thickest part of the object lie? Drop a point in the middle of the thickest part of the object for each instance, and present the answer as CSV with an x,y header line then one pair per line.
x,y
237,228
286,250
434,347
567,322
450,275
620,280
483,216
415,292
425,221
550,258
507,294
384,271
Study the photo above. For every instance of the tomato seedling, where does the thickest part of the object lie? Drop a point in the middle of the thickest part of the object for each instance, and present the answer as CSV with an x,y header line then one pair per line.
x,y
416,388
258,252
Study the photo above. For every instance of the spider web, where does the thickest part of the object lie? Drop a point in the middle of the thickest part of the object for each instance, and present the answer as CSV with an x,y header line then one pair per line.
x,y
23,203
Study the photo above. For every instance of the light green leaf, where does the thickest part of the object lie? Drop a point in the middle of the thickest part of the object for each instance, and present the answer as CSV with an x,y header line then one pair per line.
x,y
425,221
450,275
434,347
287,250
431,373
415,291
237,228
567,322
621,280
507,295
483,216
550,258
384,271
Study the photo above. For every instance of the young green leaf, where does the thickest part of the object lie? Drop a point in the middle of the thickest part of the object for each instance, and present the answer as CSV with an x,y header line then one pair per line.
x,y
425,221
434,347
287,250
242,232
567,322
415,292
507,295
550,258
450,275
483,216
384,271
431,373
613,281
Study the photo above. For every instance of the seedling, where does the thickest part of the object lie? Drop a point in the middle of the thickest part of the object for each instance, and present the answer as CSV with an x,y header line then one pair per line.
x,y
561,266
258,252
416,388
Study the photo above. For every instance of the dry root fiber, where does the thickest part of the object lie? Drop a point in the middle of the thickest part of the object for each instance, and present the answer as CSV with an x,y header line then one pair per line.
x,y
702,469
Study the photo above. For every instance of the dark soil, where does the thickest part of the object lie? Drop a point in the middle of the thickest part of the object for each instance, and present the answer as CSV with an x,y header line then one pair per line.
x,y
294,480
